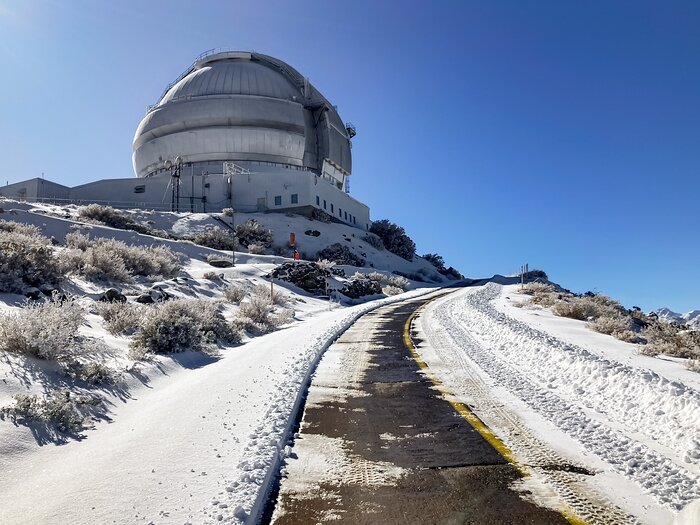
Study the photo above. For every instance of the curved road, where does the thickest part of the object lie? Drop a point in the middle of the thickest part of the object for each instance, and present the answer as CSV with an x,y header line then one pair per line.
x,y
378,443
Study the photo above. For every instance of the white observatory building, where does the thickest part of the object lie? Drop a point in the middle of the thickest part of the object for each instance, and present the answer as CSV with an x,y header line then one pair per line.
x,y
236,130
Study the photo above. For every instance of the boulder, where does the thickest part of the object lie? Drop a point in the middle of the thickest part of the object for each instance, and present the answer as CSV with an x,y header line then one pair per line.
x,y
112,296
32,293
360,287
220,263
306,275
154,295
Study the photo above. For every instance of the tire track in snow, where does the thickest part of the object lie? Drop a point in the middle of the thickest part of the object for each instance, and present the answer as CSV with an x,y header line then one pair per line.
x,y
532,366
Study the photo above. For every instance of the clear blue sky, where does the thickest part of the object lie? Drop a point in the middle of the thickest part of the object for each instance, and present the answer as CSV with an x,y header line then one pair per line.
x,y
564,134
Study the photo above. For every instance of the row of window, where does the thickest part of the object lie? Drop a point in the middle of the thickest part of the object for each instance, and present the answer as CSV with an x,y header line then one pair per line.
x,y
342,214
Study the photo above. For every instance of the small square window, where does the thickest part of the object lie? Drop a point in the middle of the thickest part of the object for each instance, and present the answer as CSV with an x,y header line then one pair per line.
x,y
318,201
295,198
278,200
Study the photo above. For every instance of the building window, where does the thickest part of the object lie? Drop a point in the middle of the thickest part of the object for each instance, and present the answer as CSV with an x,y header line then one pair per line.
x,y
295,198
278,200
340,213
324,204
346,216
140,189
332,211
318,201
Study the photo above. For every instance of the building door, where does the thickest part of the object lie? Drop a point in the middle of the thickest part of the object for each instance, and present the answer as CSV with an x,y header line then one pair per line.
x,y
262,205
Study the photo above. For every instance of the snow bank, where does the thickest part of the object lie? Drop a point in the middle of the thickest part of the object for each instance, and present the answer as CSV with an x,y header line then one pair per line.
x,y
643,425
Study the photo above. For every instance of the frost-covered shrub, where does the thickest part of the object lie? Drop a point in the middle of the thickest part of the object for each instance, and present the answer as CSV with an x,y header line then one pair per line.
x,y
234,293
26,258
92,372
693,365
110,217
121,318
102,259
279,298
216,238
668,339
340,254
211,276
184,324
257,315
227,212
60,408
374,241
44,330
256,249
394,238
619,326
251,232
581,308
392,290
398,281
543,294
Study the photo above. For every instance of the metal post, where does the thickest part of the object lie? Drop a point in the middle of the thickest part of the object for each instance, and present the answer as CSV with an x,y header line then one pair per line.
x,y
233,230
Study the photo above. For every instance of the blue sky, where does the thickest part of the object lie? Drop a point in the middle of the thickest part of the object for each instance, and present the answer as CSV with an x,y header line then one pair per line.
x,y
563,134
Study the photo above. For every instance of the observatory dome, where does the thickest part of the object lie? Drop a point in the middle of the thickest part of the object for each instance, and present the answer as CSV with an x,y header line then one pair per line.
x,y
244,107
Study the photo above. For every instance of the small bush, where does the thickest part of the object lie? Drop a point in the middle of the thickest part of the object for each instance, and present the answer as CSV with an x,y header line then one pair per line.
x,y
102,259
121,318
26,258
110,217
216,238
340,254
251,232
257,315
280,298
60,408
256,249
581,308
211,276
374,241
234,293
179,325
394,238
227,212
93,372
618,326
44,330
392,290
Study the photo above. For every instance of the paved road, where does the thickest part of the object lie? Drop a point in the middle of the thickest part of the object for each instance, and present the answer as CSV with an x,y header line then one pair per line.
x,y
379,444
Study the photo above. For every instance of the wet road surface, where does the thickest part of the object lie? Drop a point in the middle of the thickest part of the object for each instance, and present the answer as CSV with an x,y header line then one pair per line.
x,y
379,444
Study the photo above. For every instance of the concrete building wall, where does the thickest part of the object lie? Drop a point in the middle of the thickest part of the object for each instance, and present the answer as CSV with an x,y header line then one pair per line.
x,y
280,190
35,190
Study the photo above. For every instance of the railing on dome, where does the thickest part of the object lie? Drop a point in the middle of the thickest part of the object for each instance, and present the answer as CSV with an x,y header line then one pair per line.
x,y
298,80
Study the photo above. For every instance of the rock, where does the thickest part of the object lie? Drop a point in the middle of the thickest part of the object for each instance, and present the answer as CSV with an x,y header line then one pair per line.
x,y
312,233
361,287
154,295
306,275
112,296
32,293
220,263
47,289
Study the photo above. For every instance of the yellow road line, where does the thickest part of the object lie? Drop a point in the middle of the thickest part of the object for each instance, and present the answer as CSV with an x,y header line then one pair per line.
x,y
467,414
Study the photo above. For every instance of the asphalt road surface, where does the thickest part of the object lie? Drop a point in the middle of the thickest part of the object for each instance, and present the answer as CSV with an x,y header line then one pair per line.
x,y
378,443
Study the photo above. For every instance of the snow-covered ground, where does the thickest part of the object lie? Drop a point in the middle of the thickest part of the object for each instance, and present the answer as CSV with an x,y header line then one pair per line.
x,y
634,421
189,437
